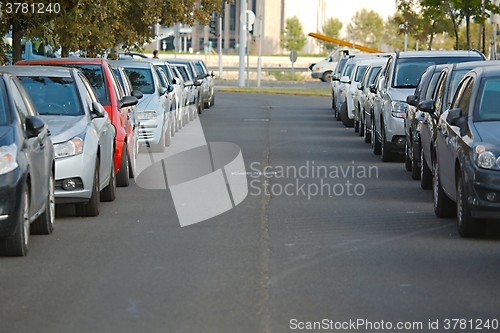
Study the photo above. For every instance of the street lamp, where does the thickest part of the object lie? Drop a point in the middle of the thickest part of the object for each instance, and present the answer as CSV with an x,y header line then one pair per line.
x,y
404,26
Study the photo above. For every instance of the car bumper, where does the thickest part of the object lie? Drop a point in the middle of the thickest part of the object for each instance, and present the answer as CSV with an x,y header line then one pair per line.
x,y
11,190
484,182
316,75
80,169
395,134
150,130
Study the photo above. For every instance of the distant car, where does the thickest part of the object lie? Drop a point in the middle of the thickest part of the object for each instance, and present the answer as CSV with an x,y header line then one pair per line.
x,y
81,131
165,83
100,75
414,118
198,81
208,94
193,91
154,110
26,170
466,169
400,78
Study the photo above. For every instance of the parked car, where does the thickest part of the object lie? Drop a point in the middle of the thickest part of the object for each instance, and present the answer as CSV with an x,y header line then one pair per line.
x,y
100,75
154,110
335,81
198,82
26,170
372,93
362,90
326,67
127,90
208,94
414,118
399,80
446,86
466,168
81,131
165,83
183,72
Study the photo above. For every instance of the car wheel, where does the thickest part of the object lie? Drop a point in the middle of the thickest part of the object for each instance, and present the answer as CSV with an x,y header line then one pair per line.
x,y
343,116
17,245
377,147
108,193
408,161
356,126
91,207
131,159
361,128
200,106
425,173
387,155
213,99
44,224
415,170
333,103
443,205
122,177
467,225
368,135
325,77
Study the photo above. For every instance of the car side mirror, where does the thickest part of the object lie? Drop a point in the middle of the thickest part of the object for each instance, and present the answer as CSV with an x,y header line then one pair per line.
x,y
197,83
330,59
424,106
137,94
412,100
174,81
34,126
128,101
345,79
335,77
98,110
162,91
212,74
170,88
360,86
456,118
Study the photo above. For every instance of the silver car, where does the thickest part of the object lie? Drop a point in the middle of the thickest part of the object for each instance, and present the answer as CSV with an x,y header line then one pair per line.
x,y
209,82
81,132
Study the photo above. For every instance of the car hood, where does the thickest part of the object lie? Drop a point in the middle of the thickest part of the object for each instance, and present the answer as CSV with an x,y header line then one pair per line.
x,y
400,94
488,131
6,135
147,102
63,128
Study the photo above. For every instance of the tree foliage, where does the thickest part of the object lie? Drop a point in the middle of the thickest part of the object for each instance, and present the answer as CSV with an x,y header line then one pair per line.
x,y
331,28
293,38
366,28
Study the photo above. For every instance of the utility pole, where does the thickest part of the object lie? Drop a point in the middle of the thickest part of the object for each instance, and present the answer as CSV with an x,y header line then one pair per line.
x,y
494,26
241,68
220,46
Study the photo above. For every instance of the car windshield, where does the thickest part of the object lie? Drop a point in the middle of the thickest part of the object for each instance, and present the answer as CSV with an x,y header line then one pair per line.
x,y
409,70
5,117
141,79
360,70
95,75
199,68
53,95
184,73
488,100
341,64
373,74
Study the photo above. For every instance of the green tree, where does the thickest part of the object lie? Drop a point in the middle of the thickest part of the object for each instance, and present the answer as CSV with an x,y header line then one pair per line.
x,y
293,38
366,28
331,28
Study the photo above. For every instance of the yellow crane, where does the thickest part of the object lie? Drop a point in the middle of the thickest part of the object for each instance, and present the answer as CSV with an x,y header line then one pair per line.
x,y
344,43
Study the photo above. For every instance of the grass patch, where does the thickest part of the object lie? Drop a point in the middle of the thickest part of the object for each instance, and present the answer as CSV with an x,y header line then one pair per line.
x,y
325,92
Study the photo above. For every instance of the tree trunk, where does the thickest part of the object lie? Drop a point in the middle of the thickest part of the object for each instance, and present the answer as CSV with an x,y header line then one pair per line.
x,y
455,25
17,34
432,34
467,28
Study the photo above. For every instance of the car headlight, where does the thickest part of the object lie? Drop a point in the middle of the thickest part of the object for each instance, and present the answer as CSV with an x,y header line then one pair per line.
x,y
486,157
146,115
398,109
8,158
69,148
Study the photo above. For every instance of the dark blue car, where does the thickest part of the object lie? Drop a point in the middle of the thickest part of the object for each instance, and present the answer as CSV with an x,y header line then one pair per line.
x,y
26,170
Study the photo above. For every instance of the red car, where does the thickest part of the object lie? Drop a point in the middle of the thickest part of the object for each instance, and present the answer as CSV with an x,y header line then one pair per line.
x,y
110,94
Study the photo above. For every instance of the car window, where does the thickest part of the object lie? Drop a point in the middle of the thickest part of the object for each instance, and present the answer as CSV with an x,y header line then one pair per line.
x,y
117,86
348,70
162,76
95,75
421,84
438,96
5,116
373,74
20,106
183,71
431,86
141,79
53,95
89,89
360,70
199,68
463,95
489,99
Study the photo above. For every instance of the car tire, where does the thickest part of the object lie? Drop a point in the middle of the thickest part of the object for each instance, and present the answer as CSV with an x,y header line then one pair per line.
x,y
333,104
325,76
443,205
44,224
425,173
466,224
356,126
132,160
17,245
415,170
376,146
213,99
122,177
343,116
386,154
91,207
408,161
368,135
361,128
108,194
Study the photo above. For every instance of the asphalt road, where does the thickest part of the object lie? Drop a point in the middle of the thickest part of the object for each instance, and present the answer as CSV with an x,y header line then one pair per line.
x,y
366,248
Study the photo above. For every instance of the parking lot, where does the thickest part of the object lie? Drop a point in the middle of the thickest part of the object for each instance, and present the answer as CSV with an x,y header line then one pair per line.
x,y
327,231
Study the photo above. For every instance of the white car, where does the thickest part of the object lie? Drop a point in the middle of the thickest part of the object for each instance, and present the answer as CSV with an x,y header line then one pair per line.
x,y
154,110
